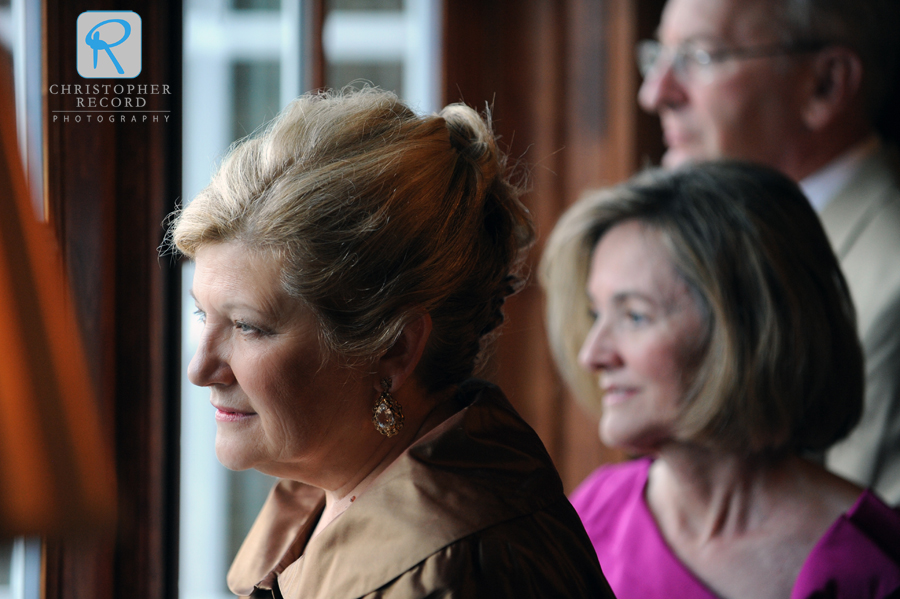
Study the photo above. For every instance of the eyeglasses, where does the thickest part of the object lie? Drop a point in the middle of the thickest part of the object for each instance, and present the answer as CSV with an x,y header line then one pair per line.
x,y
689,61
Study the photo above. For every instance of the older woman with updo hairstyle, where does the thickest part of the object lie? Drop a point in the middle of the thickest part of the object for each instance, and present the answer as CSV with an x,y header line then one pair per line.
x,y
703,313
351,265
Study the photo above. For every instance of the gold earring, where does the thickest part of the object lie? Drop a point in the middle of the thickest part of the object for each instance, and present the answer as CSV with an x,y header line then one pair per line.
x,y
387,415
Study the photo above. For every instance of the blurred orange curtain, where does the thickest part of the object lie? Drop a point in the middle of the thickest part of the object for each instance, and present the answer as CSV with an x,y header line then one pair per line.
x,y
56,467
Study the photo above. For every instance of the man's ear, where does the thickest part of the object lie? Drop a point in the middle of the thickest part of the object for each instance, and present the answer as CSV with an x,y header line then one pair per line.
x,y
838,74
401,359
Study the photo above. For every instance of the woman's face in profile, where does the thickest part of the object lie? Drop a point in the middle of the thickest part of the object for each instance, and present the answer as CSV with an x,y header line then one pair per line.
x,y
280,407
646,338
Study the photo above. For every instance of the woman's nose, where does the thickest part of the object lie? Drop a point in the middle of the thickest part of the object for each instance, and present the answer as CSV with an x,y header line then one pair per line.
x,y
209,366
661,88
598,352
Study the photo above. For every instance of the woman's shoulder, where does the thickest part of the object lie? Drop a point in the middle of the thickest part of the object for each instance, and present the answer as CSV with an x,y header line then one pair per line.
x,y
543,554
611,505
858,557
635,558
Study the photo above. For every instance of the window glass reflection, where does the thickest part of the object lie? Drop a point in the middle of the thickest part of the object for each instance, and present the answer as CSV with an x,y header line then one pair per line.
x,y
256,5
387,74
395,5
392,44
256,95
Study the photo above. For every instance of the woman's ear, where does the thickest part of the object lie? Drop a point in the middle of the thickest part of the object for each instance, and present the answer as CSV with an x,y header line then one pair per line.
x,y
838,76
401,359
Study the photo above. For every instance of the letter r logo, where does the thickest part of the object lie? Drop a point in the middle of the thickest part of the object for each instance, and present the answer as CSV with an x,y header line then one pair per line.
x,y
108,44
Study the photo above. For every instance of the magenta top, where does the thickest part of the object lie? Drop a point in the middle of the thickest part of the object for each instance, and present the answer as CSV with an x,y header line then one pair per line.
x,y
858,557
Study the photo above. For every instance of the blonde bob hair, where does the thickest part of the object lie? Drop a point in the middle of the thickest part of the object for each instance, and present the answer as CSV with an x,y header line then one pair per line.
x,y
377,215
782,370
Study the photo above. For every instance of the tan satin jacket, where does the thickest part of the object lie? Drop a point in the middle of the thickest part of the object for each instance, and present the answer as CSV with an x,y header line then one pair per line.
x,y
473,509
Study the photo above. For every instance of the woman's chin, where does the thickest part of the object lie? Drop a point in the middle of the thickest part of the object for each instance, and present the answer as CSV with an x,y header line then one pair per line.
x,y
631,441
233,458
614,434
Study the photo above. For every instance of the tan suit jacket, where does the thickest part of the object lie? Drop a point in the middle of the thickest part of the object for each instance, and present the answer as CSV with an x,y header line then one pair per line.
x,y
863,224
473,509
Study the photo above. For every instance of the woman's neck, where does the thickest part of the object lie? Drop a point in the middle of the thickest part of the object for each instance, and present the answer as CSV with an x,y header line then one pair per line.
x,y
704,494
417,425
743,526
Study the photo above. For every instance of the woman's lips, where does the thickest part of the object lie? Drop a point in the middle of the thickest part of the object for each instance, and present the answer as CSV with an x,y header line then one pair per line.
x,y
617,395
223,415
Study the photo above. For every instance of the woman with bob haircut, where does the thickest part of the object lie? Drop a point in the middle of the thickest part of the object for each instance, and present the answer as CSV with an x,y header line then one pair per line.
x,y
351,265
703,313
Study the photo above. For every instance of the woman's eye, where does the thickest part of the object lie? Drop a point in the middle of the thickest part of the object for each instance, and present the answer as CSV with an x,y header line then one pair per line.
x,y
201,315
245,327
636,317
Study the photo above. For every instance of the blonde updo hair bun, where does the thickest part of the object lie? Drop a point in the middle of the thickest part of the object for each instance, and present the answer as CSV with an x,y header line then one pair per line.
x,y
378,215
503,215
471,136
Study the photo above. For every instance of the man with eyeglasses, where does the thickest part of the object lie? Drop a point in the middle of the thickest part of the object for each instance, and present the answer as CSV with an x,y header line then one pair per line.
x,y
797,85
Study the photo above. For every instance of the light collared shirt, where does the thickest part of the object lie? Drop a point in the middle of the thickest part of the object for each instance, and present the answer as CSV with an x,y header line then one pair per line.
x,y
823,185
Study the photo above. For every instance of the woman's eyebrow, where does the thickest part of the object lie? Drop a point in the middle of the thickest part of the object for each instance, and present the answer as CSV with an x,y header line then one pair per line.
x,y
623,296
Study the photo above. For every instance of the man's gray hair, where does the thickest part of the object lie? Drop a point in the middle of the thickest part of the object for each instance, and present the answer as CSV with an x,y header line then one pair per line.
x,y
871,28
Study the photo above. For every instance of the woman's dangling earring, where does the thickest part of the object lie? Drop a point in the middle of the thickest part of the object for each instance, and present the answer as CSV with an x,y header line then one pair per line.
x,y
387,415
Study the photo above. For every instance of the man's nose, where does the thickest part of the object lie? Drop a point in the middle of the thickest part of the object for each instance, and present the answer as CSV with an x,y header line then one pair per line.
x,y
661,87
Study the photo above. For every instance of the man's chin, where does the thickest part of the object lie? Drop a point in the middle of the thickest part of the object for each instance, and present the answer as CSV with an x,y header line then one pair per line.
x,y
674,157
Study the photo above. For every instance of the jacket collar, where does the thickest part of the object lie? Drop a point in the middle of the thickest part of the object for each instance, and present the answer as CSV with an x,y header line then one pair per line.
x,y
482,466
848,214
277,537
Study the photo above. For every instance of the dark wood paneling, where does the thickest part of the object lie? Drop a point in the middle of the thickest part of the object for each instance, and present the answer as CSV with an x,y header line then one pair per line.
x,y
110,186
561,79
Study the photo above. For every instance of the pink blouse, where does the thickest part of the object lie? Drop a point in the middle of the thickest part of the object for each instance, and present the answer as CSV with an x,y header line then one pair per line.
x,y
858,557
